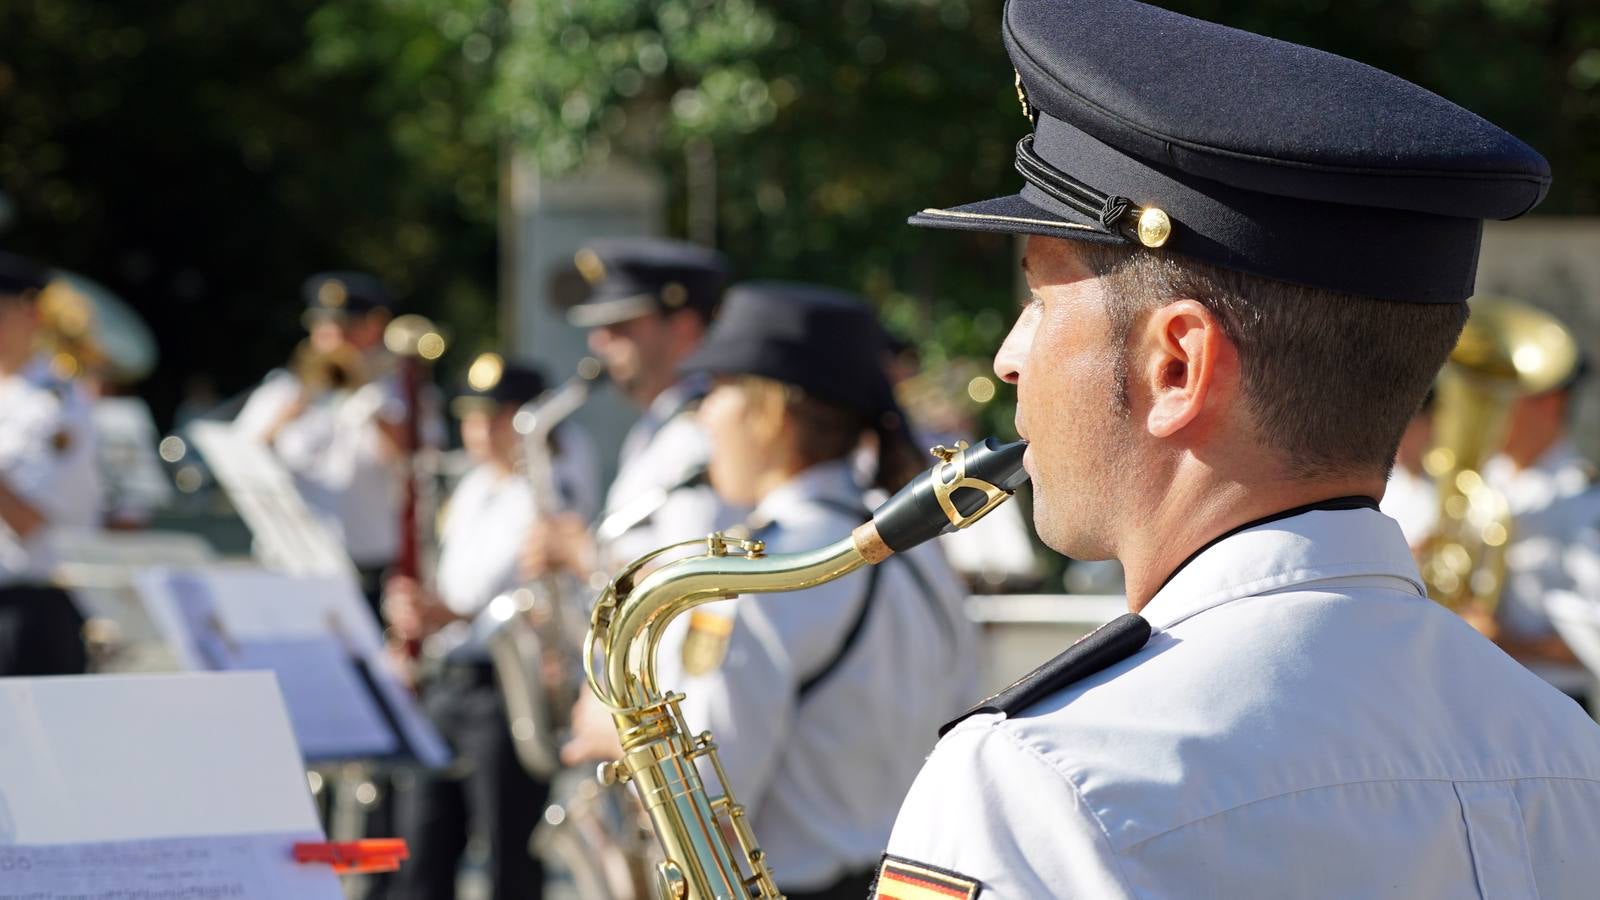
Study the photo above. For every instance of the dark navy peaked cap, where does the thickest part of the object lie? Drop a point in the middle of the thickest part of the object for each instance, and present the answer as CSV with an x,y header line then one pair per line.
x,y
823,341
19,275
1153,128
345,293
493,381
630,277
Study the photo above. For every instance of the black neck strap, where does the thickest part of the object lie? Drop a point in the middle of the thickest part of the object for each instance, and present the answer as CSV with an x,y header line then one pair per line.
x,y
1354,501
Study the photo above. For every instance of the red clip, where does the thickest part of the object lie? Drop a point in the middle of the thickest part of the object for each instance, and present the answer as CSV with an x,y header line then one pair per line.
x,y
355,857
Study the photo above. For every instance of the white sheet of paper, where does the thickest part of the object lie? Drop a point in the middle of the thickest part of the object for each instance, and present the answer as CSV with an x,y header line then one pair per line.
x,y
316,632
175,783
289,536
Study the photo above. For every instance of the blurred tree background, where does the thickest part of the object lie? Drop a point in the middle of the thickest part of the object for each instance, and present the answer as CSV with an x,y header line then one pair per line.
x,y
201,158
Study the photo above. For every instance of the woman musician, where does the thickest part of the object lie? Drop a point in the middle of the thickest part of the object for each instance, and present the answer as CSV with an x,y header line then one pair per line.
x,y
807,695
488,793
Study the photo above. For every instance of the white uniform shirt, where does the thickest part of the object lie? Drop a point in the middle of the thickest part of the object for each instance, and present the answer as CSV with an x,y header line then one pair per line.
x,y
822,778
1303,723
1553,504
484,525
47,457
335,452
662,448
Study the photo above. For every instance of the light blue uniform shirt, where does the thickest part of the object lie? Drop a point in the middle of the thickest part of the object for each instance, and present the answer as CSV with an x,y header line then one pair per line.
x,y
1302,723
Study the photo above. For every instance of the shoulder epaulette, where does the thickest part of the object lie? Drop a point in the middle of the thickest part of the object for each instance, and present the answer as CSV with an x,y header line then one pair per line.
x,y
1100,649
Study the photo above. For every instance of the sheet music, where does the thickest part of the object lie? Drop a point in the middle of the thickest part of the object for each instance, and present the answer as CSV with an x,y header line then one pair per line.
x,y
153,787
289,536
254,867
320,637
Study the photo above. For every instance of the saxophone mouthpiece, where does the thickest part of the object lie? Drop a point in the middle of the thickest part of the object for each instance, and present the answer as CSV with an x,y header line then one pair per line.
x,y
961,488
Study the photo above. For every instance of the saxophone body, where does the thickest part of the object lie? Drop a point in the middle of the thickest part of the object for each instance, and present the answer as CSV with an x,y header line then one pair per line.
x,y
532,634
710,849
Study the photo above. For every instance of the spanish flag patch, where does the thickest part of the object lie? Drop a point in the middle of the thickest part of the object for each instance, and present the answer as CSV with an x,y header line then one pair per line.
x,y
903,879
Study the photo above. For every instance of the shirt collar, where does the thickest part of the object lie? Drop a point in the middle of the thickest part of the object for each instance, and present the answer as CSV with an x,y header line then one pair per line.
x,y
1282,553
831,482
671,401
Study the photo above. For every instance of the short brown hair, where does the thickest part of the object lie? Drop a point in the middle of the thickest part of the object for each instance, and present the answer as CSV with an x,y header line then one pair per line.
x,y
1331,378
828,431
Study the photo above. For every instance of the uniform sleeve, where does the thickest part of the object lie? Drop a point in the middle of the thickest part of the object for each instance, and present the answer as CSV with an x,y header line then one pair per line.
x,y
39,450
987,808
264,406
747,702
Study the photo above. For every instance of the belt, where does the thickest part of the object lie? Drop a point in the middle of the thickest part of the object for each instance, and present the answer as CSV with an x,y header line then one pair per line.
x,y
466,674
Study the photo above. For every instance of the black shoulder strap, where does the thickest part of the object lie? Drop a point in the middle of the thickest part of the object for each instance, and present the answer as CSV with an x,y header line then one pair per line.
x,y
851,638
1102,648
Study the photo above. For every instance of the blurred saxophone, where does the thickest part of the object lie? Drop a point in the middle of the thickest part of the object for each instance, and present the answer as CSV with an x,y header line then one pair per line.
x,y
710,849
1507,350
533,636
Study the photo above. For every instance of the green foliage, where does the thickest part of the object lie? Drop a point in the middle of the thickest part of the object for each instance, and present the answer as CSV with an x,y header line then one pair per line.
x,y
201,157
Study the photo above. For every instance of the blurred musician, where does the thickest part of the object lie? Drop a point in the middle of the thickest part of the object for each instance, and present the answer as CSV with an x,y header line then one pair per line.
x,y
651,300
487,794
47,480
806,694
1553,497
337,417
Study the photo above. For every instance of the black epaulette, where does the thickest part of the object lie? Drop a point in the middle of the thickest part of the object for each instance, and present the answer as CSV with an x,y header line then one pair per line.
x,y
1100,649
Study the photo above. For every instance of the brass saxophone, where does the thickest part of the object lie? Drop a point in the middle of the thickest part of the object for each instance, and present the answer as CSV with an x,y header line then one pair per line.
x,y
532,635
711,851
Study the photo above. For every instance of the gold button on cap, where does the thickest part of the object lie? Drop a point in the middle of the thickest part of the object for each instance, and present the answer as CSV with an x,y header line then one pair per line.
x,y
1154,227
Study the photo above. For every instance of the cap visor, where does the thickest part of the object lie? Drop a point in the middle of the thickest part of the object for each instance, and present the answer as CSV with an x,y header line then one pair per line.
x,y
609,312
1014,215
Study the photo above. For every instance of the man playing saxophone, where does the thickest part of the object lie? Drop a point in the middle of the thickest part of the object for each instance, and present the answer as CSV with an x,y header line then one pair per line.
x,y
1246,261
650,302
487,794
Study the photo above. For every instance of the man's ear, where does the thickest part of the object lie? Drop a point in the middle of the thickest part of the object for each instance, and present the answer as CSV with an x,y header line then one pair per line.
x,y
1185,352
687,330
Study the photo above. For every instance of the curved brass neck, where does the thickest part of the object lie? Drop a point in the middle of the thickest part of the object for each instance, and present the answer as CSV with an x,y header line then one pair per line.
x,y
730,568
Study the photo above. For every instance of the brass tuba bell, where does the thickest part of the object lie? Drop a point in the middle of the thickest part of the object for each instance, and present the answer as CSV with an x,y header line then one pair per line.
x,y
1506,351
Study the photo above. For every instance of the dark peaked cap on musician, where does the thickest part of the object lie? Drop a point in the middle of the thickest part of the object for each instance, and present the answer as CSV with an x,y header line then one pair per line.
x,y
492,381
824,341
630,277
1153,128
19,275
345,293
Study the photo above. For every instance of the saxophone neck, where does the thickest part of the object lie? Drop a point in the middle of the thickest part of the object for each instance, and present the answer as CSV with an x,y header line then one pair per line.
x,y
636,617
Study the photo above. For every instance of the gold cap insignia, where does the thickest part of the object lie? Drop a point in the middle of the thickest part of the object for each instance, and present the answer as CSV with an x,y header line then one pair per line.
x,y
485,371
590,266
332,293
674,295
1154,227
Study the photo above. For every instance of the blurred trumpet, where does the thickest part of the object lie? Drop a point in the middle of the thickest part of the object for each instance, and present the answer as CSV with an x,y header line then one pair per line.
x,y
342,368
87,330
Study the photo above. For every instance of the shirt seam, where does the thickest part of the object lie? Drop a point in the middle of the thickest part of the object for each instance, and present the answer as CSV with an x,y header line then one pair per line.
x,y
1527,846
1338,784
1282,582
1111,847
